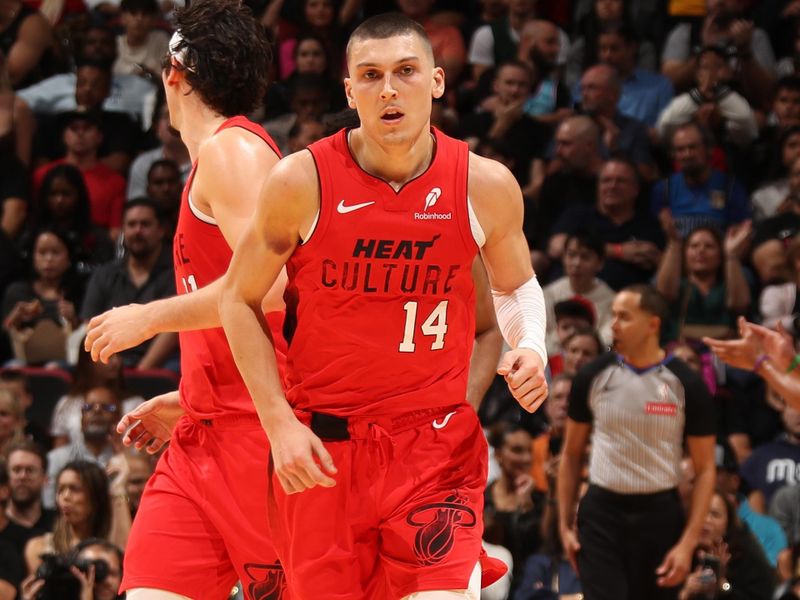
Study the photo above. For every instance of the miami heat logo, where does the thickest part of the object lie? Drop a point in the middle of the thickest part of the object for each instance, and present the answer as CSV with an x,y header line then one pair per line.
x,y
269,581
437,524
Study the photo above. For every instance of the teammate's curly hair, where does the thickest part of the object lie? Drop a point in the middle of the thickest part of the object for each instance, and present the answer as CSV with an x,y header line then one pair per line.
x,y
227,55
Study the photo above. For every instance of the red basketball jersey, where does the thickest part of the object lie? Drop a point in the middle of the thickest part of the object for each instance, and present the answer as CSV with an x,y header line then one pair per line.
x,y
380,301
210,382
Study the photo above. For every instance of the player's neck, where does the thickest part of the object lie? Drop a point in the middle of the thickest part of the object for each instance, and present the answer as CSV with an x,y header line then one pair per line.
x,y
198,123
397,165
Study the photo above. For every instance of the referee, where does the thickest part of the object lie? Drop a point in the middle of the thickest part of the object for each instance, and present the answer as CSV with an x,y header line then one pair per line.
x,y
632,541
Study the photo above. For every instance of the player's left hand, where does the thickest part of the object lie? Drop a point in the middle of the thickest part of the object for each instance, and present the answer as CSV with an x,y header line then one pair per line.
x,y
523,371
118,329
675,567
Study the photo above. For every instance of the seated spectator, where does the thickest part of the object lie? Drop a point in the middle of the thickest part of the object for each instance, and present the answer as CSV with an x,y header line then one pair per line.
x,y
779,302
309,100
318,17
25,40
539,46
17,122
633,239
753,60
140,467
571,315
547,444
581,348
164,187
141,48
771,198
27,465
446,41
583,260
57,93
67,416
89,506
775,464
785,509
40,312
11,421
171,147
729,563
703,280
142,275
82,135
619,135
512,506
121,134
303,134
17,382
12,567
712,103
698,195
97,549
63,205
585,48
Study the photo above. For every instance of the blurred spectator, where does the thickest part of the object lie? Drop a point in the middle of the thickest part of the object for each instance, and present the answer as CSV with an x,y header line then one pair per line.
x,y
446,41
25,39
16,382
140,466
723,26
645,93
581,348
39,312
142,275
67,416
703,280
16,120
547,444
539,47
171,147
632,237
320,18
698,195
712,104
303,134
27,465
12,567
779,302
571,315
94,550
164,187
601,88
63,205
583,260
775,464
82,135
585,49
729,562
61,92
141,48
120,134
512,506
11,420
309,100
774,196
785,509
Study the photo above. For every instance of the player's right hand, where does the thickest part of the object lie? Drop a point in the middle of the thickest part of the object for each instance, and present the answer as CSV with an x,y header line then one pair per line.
x,y
118,329
298,455
150,424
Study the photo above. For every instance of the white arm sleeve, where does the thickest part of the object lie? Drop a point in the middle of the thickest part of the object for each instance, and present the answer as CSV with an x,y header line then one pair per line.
x,y
522,317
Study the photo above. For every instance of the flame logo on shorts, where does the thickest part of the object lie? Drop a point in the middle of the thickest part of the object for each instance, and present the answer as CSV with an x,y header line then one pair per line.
x,y
269,581
437,523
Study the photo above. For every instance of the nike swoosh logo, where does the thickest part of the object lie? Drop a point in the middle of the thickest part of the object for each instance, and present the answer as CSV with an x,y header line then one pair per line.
x,y
344,209
443,424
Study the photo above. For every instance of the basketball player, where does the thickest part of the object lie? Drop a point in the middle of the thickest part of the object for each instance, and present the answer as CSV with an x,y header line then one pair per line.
x,y
201,524
379,465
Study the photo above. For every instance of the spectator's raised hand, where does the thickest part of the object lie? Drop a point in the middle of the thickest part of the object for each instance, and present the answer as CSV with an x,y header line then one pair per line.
x,y
668,225
741,32
737,240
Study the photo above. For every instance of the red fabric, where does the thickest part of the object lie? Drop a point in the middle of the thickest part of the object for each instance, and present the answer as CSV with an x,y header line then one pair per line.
x,y
202,522
106,190
405,515
380,299
211,384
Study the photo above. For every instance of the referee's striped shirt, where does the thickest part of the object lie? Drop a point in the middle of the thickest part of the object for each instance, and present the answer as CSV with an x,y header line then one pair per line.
x,y
639,418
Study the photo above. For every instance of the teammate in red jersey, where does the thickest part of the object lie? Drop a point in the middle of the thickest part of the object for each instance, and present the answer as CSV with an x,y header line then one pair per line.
x,y
201,524
379,466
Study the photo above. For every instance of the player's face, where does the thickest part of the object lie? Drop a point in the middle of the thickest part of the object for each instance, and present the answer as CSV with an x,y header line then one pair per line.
x,y
392,83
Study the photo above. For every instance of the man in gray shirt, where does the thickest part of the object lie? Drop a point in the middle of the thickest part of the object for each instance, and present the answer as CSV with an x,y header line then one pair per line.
x,y
632,540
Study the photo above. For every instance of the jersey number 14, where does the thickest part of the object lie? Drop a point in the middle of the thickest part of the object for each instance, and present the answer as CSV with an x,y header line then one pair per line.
x,y
435,325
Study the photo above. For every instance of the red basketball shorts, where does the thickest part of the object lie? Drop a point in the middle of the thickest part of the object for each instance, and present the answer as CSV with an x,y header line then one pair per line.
x,y
405,515
202,520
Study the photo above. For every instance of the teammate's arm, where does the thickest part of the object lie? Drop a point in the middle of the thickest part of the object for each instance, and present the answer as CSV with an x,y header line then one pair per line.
x,y
518,299
230,200
488,340
289,202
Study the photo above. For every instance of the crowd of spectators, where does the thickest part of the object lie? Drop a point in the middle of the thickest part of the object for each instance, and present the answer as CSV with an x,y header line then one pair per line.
x,y
655,141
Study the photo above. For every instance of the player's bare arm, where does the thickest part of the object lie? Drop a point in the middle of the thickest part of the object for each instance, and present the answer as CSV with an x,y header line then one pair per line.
x,y
497,201
287,208
488,340
245,160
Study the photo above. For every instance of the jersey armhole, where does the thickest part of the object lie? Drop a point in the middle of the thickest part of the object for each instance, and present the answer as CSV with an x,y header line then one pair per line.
x,y
304,239
474,225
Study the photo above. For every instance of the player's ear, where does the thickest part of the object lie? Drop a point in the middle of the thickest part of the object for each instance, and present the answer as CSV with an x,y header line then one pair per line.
x,y
348,92
438,82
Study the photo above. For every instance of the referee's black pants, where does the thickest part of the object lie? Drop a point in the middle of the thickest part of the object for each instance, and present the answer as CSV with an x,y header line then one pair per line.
x,y
623,540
